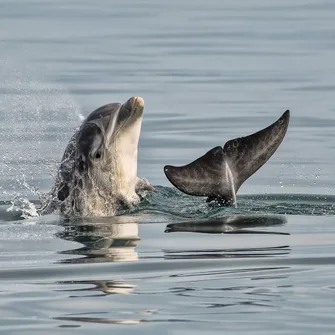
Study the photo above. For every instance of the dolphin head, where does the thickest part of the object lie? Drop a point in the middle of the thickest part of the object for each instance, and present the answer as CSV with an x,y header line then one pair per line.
x,y
102,161
109,137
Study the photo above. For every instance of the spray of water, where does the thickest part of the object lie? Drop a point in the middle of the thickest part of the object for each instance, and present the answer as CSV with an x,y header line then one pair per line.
x,y
37,120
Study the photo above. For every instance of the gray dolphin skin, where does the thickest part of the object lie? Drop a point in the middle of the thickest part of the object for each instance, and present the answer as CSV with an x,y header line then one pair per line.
x,y
98,172
221,171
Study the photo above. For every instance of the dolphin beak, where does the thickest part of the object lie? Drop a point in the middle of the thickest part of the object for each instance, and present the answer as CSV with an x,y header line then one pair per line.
x,y
139,103
135,106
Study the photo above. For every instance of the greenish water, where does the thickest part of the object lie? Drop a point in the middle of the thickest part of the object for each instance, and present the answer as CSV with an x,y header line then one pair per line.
x,y
209,72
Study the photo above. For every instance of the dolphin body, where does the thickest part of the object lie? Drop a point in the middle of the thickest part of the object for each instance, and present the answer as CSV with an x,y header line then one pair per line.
x,y
98,172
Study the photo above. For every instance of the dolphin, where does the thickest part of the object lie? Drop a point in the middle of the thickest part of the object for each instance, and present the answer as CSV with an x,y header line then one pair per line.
x,y
97,175
220,172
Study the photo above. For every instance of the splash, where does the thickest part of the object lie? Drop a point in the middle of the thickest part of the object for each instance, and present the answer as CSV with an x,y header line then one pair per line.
x,y
39,120
26,208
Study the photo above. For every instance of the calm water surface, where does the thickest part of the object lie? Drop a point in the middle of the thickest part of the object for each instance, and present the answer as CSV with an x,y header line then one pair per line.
x,y
208,71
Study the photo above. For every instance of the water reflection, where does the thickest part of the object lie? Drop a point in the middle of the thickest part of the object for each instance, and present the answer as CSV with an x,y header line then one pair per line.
x,y
106,240
220,288
103,240
230,224
233,224
101,320
104,286
115,239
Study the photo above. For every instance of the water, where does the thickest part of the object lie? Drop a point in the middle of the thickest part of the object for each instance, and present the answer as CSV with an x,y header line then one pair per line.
x,y
208,71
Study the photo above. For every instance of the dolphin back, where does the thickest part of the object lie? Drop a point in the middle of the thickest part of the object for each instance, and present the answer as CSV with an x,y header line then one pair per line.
x,y
222,170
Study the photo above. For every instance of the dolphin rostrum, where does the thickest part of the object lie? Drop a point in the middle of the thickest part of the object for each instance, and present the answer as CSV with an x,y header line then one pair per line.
x,y
222,170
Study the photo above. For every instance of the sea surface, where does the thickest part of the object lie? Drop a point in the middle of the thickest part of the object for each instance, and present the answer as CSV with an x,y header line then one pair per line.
x,y
209,71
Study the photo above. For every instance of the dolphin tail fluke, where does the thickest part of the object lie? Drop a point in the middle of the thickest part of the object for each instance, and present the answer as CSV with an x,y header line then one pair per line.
x,y
221,171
